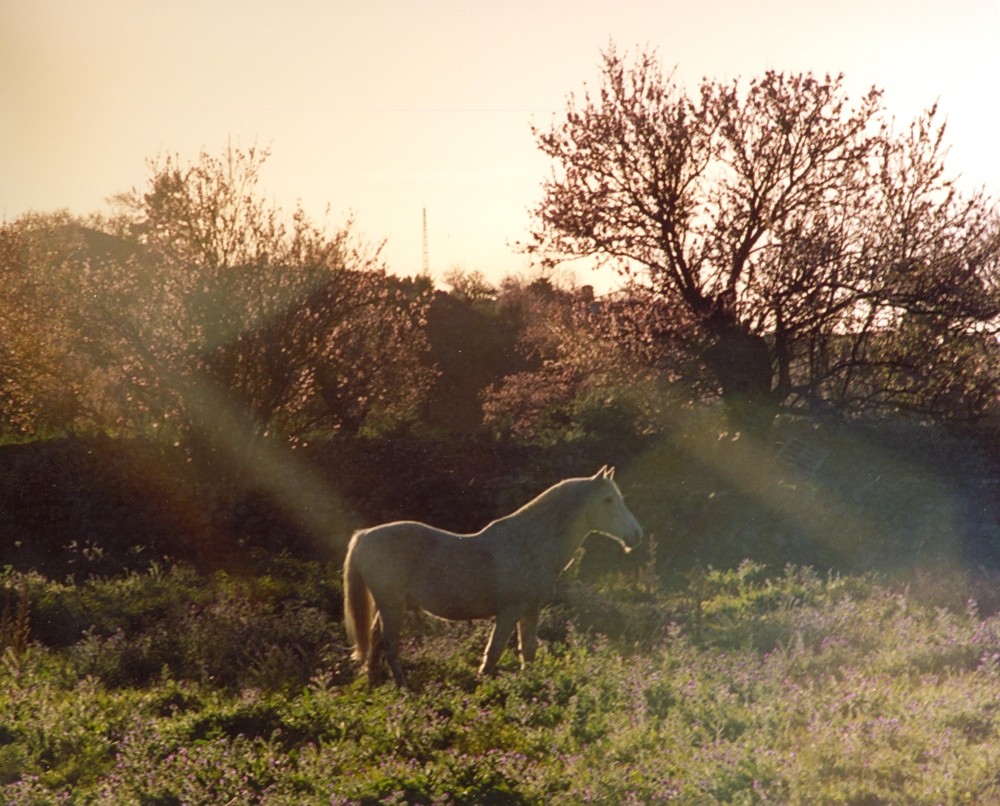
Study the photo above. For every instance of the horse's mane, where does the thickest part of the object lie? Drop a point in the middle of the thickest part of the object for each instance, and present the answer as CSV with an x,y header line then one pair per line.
x,y
552,501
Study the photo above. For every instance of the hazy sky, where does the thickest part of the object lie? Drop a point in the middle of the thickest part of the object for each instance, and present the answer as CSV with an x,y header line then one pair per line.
x,y
384,108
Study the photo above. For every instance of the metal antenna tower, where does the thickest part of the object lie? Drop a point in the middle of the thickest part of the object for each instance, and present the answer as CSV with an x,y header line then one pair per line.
x,y
427,264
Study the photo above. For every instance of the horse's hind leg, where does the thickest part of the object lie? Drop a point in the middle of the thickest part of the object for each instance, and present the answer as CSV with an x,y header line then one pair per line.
x,y
376,650
392,622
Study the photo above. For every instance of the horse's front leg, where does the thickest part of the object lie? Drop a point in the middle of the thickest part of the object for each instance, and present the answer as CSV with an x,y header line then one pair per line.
x,y
502,630
527,635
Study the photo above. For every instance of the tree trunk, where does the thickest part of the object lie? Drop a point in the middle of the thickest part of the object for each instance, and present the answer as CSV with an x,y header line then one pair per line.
x,y
741,363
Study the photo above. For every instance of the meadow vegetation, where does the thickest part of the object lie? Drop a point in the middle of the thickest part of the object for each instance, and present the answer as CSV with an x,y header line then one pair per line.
x,y
750,685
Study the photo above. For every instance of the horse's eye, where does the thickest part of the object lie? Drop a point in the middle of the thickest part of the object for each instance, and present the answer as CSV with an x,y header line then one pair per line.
x,y
608,500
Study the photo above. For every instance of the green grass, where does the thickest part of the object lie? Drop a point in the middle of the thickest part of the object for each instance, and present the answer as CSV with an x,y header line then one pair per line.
x,y
748,686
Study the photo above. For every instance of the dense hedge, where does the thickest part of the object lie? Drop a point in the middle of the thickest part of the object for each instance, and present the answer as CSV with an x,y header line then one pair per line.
x,y
96,505
864,496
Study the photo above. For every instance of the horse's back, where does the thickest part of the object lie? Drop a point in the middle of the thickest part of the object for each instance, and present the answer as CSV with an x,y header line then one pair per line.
x,y
402,541
449,575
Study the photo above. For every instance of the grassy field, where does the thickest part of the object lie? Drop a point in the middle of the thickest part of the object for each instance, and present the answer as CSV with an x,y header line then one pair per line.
x,y
752,685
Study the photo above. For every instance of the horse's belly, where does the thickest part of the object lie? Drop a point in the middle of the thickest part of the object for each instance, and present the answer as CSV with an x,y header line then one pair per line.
x,y
449,576
457,610
461,613
451,599
454,579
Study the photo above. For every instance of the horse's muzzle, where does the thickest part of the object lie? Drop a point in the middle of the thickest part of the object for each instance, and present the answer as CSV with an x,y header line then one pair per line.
x,y
634,540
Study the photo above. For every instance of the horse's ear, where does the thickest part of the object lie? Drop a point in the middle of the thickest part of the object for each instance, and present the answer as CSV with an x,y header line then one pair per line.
x,y
605,473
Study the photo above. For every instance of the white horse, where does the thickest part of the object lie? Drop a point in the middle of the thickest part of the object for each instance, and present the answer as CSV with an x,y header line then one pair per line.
x,y
505,570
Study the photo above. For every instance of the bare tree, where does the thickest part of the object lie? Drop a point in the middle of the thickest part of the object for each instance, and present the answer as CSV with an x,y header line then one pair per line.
x,y
796,229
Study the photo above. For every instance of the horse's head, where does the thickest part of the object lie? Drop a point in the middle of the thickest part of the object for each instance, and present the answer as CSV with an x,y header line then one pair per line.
x,y
606,511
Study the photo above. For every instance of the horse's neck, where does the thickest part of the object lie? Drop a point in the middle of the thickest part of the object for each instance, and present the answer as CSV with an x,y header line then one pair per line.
x,y
549,527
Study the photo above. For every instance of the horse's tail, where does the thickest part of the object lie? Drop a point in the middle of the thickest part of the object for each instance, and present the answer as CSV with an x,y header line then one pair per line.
x,y
357,605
